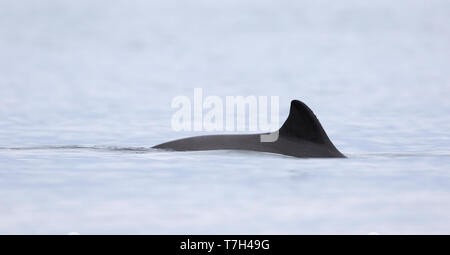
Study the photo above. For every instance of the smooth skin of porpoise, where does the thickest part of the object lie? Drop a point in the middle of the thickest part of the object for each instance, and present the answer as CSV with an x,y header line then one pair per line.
x,y
300,136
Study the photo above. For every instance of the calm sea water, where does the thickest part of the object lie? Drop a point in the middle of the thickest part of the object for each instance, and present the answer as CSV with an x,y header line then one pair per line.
x,y
86,88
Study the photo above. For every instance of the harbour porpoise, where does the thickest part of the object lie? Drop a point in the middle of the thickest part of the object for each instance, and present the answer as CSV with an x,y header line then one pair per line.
x,y
300,136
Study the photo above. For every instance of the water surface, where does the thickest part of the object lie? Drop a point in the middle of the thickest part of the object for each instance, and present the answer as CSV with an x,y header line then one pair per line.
x,y
86,88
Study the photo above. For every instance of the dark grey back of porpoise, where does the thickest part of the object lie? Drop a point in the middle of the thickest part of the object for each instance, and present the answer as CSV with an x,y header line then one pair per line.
x,y
300,136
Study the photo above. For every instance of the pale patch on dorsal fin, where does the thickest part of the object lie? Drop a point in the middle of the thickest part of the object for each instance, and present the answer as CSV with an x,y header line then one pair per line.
x,y
302,123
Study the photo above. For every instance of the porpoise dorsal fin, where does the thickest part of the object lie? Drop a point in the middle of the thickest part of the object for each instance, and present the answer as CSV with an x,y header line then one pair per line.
x,y
302,123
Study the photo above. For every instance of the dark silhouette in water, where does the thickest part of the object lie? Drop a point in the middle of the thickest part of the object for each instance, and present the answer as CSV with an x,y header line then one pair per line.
x,y
300,136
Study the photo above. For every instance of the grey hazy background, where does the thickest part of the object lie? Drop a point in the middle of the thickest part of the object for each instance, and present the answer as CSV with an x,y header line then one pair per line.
x,y
86,88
